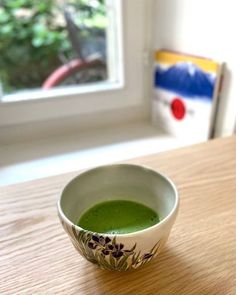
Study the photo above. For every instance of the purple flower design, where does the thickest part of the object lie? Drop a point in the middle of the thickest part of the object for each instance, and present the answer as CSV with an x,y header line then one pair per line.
x,y
100,243
147,256
107,247
117,251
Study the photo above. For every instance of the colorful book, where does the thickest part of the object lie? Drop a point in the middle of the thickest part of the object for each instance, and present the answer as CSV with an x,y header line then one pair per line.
x,y
186,94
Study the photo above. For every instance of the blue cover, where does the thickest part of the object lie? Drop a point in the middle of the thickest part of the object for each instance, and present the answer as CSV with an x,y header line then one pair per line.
x,y
185,79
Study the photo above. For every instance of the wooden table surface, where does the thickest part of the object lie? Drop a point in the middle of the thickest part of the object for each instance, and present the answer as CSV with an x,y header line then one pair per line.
x,y
37,257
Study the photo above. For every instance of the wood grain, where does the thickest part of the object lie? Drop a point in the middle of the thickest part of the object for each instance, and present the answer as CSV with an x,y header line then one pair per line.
x,y
36,256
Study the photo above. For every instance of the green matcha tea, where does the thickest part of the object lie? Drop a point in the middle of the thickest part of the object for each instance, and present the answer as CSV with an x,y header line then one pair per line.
x,y
118,217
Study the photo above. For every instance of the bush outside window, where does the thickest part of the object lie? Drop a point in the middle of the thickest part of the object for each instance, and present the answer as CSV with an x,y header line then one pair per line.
x,y
38,37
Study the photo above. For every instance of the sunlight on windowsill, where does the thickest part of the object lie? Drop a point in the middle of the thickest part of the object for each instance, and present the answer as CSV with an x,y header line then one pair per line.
x,y
52,156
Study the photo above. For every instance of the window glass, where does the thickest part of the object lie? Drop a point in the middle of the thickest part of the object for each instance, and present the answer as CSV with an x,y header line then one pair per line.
x,y
46,44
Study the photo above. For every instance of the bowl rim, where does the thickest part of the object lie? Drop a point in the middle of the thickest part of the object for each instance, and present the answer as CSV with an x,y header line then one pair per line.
x,y
135,233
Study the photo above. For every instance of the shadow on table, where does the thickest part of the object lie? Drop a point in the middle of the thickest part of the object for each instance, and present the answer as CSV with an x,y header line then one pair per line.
x,y
168,274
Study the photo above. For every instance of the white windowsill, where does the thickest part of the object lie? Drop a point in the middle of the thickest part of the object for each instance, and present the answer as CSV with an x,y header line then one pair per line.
x,y
52,156
61,91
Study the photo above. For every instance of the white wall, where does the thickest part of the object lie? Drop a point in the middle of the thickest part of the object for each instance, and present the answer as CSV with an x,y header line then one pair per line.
x,y
205,28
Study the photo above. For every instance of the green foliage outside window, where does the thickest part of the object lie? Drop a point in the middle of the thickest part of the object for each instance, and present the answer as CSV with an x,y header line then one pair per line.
x,y
33,34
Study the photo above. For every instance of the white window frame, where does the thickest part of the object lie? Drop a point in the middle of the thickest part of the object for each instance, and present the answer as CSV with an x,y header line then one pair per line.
x,y
127,92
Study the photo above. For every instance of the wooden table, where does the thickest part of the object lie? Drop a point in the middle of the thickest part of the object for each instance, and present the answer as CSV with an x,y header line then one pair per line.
x,y
36,256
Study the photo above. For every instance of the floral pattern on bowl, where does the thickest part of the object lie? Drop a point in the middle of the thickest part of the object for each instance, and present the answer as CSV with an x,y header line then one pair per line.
x,y
108,253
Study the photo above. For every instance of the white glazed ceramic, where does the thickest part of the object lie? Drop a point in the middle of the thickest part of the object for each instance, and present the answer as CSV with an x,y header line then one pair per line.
x,y
113,182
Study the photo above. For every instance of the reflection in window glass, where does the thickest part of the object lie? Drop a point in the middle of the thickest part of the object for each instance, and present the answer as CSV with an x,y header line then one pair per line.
x,y
44,44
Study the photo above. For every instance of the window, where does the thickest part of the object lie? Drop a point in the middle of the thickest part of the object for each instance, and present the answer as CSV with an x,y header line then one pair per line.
x,y
45,44
127,71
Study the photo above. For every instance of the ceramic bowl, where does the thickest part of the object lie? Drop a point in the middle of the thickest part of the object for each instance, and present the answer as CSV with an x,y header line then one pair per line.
x,y
120,252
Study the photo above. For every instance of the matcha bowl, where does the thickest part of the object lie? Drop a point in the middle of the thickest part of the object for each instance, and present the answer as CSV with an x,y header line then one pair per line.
x,y
126,251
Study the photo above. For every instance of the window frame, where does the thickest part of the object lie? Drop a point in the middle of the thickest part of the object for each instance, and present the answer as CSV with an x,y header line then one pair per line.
x,y
126,92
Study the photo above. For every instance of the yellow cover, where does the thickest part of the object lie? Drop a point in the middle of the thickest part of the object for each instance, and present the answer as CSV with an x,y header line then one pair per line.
x,y
170,58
